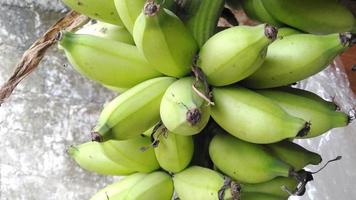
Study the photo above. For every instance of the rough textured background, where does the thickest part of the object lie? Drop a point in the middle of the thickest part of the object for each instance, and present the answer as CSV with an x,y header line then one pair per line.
x,y
55,5
56,107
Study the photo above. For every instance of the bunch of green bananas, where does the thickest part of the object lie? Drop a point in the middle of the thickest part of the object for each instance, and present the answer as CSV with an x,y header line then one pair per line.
x,y
174,70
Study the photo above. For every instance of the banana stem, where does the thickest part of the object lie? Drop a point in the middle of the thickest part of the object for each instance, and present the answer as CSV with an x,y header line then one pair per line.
x,y
229,184
200,76
303,177
155,139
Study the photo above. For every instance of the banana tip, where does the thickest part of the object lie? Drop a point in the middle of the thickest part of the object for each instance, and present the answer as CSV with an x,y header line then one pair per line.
x,y
151,8
271,32
96,137
305,130
193,116
348,39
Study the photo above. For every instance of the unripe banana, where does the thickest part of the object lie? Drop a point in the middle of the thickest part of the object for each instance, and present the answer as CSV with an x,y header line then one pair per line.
x,y
129,10
103,10
202,183
91,156
310,95
286,31
182,111
260,196
174,152
130,154
154,186
199,183
320,113
109,62
108,31
202,19
116,89
297,57
244,48
244,161
119,190
253,117
133,112
313,16
295,155
274,187
164,40
256,10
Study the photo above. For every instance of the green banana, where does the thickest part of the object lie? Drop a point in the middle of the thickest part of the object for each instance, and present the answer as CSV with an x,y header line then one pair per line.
x,y
310,95
297,57
244,50
155,186
286,31
133,112
320,113
244,161
129,10
199,183
90,156
164,40
103,10
256,10
129,153
182,111
174,152
313,16
274,187
105,30
253,117
203,19
119,190
109,62
294,154
260,196
116,89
